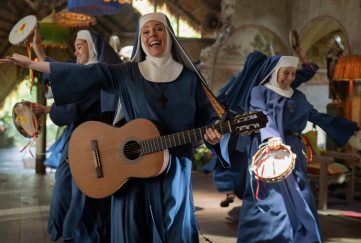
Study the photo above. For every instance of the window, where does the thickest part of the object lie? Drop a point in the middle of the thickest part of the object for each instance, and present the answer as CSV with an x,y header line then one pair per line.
x,y
180,25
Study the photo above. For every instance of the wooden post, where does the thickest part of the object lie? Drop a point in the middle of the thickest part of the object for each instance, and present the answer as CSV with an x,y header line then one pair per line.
x,y
323,186
41,140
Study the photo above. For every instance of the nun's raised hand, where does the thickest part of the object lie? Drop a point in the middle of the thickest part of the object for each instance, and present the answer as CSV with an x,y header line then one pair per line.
x,y
5,60
275,143
17,59
212,136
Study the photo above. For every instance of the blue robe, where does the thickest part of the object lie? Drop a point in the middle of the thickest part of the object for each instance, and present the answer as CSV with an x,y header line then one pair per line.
x,y
72,214
286,210
234,96
158,209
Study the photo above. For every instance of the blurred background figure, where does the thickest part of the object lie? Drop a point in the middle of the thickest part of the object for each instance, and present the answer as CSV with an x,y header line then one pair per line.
x,y
336,49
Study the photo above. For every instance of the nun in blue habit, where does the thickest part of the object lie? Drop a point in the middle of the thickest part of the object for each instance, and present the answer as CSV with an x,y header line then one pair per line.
x,y
284,211
160,84
73,215
233,95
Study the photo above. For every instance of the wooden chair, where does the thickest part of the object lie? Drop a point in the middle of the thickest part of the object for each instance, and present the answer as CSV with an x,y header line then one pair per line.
x,y
329,167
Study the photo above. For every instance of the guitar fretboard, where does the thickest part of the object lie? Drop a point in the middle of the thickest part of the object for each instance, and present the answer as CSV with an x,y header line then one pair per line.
x,y
240,124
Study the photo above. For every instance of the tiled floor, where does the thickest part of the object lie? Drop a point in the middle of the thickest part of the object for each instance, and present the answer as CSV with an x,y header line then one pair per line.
x,y
25,197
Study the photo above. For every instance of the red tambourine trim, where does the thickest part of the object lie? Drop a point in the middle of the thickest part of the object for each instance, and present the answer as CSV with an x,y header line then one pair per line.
x,y
264,157
35,134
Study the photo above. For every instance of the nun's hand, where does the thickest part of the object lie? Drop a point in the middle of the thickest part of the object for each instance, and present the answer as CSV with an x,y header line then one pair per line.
x,y
40,109
37,46
37,38
274,143
5,60
17,59
212,136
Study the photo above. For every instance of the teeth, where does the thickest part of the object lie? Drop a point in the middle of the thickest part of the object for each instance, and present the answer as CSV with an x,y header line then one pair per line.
x,y
154,43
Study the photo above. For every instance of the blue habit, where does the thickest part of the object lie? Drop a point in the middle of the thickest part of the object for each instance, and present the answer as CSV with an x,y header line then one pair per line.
x,y
234,95
286,210
158,209
74,216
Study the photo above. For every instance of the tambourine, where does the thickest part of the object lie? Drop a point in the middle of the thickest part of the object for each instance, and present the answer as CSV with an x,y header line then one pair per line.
x,y
25,120
294,40
271,165
23,30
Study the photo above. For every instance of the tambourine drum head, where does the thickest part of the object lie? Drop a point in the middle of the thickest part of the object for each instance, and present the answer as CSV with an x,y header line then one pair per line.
x,y
273,166
25,120
22,30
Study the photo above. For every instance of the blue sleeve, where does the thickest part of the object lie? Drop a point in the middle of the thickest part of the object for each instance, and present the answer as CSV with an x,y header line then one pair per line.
x,y
72,82
258,103
338,128
46,76
305,74
206,115
63,115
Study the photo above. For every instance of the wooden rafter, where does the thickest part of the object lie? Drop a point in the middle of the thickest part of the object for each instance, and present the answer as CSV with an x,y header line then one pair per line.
x,y
181,12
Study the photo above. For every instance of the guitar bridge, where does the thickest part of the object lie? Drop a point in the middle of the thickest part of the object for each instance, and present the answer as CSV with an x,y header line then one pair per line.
x,y
96,158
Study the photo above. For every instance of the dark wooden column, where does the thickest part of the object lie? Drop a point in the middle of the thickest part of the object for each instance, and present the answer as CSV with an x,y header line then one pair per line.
x,y
41,140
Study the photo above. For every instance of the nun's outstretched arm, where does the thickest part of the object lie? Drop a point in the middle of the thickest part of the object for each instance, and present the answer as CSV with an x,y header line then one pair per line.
x,y
24,61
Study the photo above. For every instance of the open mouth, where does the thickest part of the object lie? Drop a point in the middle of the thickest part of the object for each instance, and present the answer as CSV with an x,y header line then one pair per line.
x,y
154,43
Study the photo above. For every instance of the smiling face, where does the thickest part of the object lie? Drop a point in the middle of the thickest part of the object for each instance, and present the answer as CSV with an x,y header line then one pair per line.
x,y
81,51
154,37
285,77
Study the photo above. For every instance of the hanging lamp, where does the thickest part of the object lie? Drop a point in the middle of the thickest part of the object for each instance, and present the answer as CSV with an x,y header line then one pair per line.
x,y
95,7
69,19
53,35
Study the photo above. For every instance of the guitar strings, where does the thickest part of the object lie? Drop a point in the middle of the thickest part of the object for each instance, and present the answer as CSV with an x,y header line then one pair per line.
x,y
138,149
148,144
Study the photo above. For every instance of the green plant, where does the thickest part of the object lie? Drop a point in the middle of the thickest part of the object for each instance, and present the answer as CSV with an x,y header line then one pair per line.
x,y
201,156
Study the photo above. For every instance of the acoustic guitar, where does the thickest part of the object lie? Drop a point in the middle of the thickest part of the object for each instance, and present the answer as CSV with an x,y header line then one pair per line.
x,y
103,157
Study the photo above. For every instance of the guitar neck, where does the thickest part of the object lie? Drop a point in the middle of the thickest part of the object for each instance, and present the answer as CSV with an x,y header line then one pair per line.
x,y
180,138
241,124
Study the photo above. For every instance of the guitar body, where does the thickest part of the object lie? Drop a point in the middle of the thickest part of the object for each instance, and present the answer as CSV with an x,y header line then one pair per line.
x,y
101,173
103,157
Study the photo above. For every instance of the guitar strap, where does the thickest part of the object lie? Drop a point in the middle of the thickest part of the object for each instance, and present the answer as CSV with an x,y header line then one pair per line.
x,y
217,106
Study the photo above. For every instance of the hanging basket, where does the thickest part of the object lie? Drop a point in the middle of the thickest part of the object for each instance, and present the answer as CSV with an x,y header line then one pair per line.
x,y
53,35
94,7
74,20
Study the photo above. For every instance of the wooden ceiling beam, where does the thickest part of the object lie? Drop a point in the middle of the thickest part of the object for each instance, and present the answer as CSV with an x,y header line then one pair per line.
x,y
104,30
109,26
96,28
192,20
212,5
6,8
7,17
4,30
32,4
4,47
6,44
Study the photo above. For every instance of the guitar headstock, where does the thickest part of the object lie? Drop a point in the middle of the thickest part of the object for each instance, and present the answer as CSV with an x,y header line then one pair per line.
x,y
250,122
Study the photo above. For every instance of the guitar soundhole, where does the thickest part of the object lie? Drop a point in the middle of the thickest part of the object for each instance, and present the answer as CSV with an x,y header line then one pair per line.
x,y
132,150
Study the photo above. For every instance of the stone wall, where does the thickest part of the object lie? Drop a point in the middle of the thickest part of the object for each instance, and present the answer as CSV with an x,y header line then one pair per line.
x,y
264,25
